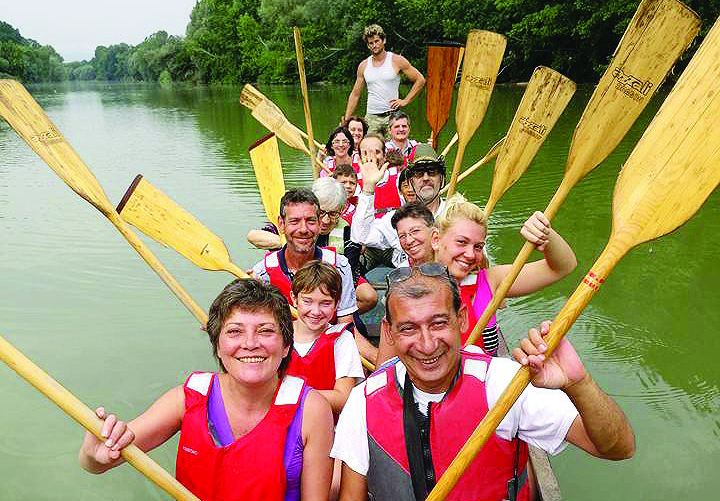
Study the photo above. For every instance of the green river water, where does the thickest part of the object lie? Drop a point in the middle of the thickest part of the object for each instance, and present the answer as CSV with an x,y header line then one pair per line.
x,y
78,301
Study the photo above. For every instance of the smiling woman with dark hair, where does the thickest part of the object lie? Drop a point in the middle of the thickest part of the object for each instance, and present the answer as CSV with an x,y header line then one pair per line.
x,y
246,432
339,149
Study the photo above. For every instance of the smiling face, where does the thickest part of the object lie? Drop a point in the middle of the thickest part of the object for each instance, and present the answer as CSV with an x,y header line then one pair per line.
x,y
300,226
399,130
425,333
406,190
356,130
340,145
315,309
414,235
250,346
329,217
460,247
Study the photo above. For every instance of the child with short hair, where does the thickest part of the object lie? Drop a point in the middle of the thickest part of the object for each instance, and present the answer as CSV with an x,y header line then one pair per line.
x,y
324,354
346,175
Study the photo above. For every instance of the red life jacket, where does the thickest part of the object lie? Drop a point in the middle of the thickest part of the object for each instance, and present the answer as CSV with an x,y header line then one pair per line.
x,y
452,421
349,209
278,277
387,194
318,366
252,467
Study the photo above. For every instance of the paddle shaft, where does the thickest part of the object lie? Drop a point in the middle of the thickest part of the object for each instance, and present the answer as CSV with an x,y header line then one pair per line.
x,y
489,156
306,100
158,268
77,410
449,145
612,254
502,289
29,120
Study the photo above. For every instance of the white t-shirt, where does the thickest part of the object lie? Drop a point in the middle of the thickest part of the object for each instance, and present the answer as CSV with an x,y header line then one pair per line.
x,y
540,417
347,357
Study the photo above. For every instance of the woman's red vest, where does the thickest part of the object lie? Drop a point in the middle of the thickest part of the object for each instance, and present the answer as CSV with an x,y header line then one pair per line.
x,y
252,467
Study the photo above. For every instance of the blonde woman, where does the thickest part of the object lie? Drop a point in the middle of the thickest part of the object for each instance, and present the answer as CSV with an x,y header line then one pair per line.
x,y
458,240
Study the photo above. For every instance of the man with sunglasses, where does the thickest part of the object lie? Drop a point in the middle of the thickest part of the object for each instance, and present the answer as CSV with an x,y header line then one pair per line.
x,y
426,175
408,420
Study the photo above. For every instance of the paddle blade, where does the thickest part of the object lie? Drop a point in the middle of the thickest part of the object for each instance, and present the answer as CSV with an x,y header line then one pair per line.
x,y
657,35
159,217
265,158
483,54
544,100
440,83
268,114
25,115
676,164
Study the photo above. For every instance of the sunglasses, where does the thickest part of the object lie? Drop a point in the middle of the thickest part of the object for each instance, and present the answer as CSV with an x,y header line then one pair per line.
x,y
427,269
419,171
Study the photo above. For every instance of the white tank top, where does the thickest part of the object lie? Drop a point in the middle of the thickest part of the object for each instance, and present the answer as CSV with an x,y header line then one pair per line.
x,y
382,85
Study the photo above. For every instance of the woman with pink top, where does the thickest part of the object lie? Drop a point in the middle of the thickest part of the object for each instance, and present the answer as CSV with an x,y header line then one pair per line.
x,y
458,240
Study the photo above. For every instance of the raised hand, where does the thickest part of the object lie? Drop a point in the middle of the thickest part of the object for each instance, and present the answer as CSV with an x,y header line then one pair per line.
x,y
536,230
563,369
371,173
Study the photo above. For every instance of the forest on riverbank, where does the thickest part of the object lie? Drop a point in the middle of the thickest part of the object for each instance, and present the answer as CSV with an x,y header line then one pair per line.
x,y
239,41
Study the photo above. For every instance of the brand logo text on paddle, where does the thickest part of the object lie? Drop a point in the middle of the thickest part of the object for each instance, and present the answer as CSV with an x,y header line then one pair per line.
x,y
631,86
50,136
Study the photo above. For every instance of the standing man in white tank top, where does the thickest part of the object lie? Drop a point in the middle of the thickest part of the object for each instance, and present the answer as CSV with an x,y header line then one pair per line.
x,y
381,71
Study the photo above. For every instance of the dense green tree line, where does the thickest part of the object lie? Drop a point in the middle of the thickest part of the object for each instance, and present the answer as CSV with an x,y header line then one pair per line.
x,y
237,41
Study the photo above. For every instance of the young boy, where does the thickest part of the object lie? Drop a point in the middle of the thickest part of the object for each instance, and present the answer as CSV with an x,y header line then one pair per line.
x,y
346,175
325,355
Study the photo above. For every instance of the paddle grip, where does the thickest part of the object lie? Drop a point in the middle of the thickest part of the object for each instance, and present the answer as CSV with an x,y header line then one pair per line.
x,y
158,268
560,326
80,412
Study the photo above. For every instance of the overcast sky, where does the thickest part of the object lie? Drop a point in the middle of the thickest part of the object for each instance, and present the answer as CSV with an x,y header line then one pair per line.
x,y
75,27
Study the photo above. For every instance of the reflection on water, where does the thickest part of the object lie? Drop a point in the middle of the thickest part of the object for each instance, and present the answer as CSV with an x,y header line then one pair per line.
x,y
78,301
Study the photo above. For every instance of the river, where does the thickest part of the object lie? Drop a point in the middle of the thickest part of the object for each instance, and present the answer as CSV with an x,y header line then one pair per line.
x,y
77,300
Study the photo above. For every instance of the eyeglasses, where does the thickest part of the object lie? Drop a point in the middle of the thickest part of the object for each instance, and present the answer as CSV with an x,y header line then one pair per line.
x,y
427,269
340,142
332,214
419,171
412,233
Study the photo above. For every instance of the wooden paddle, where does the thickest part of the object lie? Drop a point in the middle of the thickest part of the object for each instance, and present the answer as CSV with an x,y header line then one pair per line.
x,y
672,170
154,213
265,157
80,412
268,114
31,123
454,139
658,33
491,155
483,54
544,100
439,86
306,100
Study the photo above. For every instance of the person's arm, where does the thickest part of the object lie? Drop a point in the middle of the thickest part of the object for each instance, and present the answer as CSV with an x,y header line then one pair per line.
x,y
152,428
559,259
339,394
317,433
364,228
353,486
601,428
354,96
264,239
418,80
